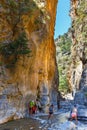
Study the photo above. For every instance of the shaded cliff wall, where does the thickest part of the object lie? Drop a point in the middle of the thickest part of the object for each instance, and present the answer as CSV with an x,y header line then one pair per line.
x,y
33,75
78,14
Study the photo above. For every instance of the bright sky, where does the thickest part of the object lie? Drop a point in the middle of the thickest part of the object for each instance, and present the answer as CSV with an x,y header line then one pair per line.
x,y
63,20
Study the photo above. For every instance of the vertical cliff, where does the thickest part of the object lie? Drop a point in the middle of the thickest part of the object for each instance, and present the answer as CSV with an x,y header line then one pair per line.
x,y
78,70
33,74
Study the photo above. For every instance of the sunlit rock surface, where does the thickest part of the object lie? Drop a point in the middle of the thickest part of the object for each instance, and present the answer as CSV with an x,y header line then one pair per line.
x,y
34,75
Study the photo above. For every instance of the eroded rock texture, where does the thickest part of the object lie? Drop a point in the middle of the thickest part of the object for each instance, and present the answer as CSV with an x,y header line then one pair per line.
x,y
78,70
33,75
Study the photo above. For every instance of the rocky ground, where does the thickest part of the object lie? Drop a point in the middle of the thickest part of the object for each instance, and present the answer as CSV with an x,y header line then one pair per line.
x,y
59,120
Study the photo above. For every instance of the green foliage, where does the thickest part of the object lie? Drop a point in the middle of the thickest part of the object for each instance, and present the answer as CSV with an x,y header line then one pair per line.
x,y
64,49
81,13
63,84
20,7
1,63
27,6
65,44
15,48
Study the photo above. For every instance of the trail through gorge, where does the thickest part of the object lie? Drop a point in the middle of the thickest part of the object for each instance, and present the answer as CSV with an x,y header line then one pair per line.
x,y
59,121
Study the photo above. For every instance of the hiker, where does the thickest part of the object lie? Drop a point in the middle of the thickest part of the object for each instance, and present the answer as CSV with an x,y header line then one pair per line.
x,y
58,99
34,108
73,114
50,111
58,103
38,104
30,106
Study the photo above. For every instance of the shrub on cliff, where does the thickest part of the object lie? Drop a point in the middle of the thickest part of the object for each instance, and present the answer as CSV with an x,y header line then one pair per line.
x,y
15,49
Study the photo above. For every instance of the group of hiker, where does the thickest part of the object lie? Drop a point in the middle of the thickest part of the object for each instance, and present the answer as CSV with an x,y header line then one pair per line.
x,y
73,112
34,107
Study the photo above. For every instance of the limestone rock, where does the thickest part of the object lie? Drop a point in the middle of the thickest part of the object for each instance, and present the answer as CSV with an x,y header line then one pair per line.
x,y
35,75
79,48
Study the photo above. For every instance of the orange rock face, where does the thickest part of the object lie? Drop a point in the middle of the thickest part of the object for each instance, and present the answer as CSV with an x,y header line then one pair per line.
x,y
34,75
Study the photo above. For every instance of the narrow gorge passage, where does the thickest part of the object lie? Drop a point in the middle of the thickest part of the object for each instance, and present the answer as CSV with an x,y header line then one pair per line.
x,y
28,63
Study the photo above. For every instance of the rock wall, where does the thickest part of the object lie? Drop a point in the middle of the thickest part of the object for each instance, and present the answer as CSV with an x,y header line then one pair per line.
x,y
33,75
78,69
